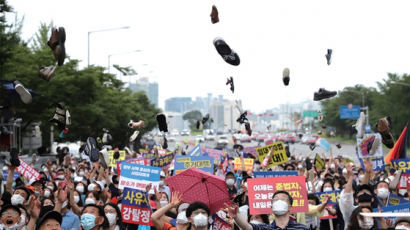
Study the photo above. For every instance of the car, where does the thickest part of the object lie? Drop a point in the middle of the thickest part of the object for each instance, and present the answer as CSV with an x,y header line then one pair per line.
x,y
175,132
199,138
222,139
185,132
209,137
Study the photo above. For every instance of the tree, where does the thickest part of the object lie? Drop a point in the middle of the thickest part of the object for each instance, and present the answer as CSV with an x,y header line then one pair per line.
x,y
95,99
193,117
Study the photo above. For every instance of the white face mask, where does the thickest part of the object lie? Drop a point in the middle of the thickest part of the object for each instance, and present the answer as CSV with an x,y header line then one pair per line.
x,y
181,218
91,187
361,177
50,187
161,183
5,168
255,222
61,177
230,182
163,203
89,201
366,223
81,173
47,193
76,199
332,166
245,185
17,199
112,218
280,207
80,188
200,220
65,204
401,227
344,171
22,220
382,193
13,227
327,189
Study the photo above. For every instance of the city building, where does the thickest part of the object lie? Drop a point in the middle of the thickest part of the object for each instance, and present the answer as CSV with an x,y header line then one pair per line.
x,y
150,89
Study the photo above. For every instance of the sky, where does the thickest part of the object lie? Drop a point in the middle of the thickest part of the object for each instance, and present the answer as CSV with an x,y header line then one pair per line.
x,y
369,39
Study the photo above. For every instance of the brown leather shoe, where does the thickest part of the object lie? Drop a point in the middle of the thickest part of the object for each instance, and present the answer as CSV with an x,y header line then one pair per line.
x,y
383,128
248,128
53,41
214,15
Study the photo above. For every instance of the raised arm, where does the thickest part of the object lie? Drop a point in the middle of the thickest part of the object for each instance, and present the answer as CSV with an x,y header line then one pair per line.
x,y
157,215
239,219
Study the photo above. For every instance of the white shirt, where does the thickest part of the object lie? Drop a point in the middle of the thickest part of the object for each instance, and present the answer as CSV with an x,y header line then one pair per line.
x,y
346,206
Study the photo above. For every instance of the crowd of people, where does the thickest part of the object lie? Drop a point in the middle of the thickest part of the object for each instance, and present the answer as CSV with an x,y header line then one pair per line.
x,y
76,193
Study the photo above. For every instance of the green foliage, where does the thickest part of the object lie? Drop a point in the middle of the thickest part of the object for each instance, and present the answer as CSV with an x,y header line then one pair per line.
x,y
95,99
392,98
193,117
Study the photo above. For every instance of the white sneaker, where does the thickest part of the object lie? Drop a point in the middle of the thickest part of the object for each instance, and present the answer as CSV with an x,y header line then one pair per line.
x,y
360,125
67,118
375,146
25,95
134,136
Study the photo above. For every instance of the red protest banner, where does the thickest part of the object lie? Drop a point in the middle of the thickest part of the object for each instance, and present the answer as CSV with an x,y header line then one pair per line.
x,y
261,190
135,208
27,171
140,161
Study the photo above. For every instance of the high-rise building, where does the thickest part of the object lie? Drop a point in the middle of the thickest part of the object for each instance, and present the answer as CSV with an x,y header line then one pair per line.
x,y
178,104
150,89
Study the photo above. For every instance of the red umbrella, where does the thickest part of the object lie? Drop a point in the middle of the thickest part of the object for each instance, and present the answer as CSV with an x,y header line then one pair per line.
x,y
197,185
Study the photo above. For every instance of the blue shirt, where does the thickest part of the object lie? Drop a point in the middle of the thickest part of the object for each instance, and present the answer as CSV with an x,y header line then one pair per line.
x,y
70,221
292,225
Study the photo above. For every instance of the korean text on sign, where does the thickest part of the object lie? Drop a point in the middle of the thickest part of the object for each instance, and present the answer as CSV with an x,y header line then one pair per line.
x,y
138,176
278,155
261,191
135,208
113,162
27,171
248,163
183,163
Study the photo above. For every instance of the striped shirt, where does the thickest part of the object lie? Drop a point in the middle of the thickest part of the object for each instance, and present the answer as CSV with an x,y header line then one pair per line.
x,y
292,225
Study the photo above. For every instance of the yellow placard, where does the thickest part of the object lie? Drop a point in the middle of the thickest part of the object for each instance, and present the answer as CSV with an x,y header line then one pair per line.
x,y
247,161
113,162
319,163
143,151
278,155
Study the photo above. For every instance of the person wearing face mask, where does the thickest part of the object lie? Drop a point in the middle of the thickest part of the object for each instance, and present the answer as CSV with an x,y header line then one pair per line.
x,y
230,184
198,216
70,220
363,196
21,196
242,198
359,222
162,186
402,223
281,205
258,219
161,221
113,214
24,218
382,193
93,218
90,198
327,185
10,217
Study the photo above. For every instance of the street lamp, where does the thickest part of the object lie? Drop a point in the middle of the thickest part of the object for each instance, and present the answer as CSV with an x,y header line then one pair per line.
x,y
95,31
110,55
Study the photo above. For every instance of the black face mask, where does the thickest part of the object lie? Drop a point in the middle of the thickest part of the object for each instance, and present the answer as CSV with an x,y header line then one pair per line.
x,y
365,198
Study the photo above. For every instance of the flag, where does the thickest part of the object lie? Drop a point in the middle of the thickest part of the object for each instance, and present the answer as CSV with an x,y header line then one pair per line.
x,y
225,164
399,149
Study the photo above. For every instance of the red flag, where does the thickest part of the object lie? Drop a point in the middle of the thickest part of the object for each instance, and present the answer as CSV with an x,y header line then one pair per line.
x,y
399,149
225,164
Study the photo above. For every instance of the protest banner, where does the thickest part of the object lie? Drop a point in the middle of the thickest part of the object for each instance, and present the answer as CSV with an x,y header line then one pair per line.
x,y
268,142
214,153
135,208
196,151
333,199
401,164
404,182
113,162
27,171
396,200
368,146
278,154
377,163
401,208
219,224
261,190
183,163
274,174
319,163
139,161
138,176
251,150
143,150
163,161
248,162
149,155
323,143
